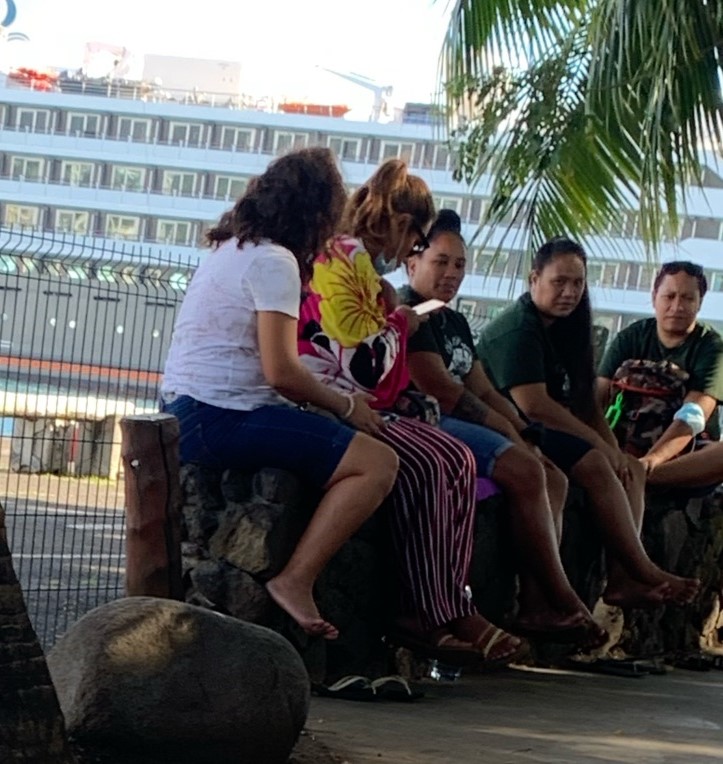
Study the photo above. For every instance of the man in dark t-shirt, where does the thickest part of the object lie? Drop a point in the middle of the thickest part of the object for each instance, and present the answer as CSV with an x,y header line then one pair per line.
x,y
676,335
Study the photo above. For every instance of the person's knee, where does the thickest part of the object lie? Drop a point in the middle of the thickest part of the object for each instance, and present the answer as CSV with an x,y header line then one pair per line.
x,y
382,465
592,468
519,471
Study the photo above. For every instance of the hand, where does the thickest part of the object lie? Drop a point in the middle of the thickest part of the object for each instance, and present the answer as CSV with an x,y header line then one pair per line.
x,y
413,320
363,417
649,462
619,461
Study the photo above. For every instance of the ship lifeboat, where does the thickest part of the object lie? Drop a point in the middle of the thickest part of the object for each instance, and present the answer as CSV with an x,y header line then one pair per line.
x,y
315,109
34,79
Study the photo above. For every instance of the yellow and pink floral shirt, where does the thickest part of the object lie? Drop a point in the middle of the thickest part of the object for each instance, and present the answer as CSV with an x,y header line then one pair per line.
x,y
346,338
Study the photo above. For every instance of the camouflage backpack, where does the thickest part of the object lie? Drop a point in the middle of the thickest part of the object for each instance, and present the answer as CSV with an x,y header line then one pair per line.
x,y
645,395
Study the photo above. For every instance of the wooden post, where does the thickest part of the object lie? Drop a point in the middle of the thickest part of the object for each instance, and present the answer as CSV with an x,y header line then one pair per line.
x,y
153,505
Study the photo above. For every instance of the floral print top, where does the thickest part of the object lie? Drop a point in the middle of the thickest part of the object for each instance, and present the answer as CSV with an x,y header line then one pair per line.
x,y
345,337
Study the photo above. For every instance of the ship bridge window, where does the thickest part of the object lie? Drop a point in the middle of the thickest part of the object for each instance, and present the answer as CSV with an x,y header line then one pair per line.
x,y
344,148
228,187
185,134
237,139
33,120
174,231
27,168
83,124
134,129
716,282
122,227
441,158
77,173
128,178
72,221
393,150
21,215
284,142
179,183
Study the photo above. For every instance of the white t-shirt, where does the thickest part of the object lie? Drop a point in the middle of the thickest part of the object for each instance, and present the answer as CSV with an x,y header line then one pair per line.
x,y
214,354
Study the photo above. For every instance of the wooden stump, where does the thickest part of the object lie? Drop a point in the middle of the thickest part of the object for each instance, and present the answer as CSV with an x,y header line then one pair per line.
x,y
153,502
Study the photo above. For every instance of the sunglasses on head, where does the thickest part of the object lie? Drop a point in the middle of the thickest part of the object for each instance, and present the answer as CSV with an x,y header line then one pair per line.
x,y
423,242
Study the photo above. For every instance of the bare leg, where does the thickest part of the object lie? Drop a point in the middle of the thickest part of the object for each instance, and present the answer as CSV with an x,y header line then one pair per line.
x,y
701,468
634,579
363,478
547,600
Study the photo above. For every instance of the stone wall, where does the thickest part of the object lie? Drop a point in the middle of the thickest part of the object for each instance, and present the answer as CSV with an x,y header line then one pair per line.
x,y
240,528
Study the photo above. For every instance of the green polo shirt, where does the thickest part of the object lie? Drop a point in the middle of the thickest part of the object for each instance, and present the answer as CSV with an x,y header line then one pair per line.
x,y
516,348
701,355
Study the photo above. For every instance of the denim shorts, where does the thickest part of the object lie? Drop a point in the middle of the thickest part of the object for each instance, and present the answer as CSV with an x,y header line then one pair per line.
x,y
284,437
487,445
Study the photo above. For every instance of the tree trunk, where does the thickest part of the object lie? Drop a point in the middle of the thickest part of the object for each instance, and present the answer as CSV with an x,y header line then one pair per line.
x,y
153,505
32,730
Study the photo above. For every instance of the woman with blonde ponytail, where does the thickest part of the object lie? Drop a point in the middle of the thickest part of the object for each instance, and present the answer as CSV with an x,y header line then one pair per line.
x,y
352,341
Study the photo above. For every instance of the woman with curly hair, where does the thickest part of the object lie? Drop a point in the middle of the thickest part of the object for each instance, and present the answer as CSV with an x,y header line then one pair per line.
x,y
233,371
353,344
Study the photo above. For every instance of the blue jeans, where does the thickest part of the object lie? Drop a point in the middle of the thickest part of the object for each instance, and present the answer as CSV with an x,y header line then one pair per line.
x,y
487,445
284,437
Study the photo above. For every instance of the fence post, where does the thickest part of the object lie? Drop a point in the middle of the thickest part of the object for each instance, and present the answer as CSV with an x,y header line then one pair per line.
x,y
153,505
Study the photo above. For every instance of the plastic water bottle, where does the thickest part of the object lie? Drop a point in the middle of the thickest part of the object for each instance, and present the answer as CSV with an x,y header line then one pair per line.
x,y
443,672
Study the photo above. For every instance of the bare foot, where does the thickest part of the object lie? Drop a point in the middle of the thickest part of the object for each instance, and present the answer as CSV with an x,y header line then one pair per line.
x,y
637,594
578,628
494,643
664,588
298,602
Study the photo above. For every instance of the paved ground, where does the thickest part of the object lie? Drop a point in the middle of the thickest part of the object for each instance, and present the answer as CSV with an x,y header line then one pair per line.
x,y
534,716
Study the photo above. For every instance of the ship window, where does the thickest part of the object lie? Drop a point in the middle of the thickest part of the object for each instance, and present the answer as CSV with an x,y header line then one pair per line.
x,y
344,148
21,215
33,120
284,142
174,231
707,228
76,272
441,158
72,221
178,281
106,274
237,139
228,187
128,178
77,173
179,183
7,264
401,151
27,168
83,124
447,203
122,227
185,134
135,129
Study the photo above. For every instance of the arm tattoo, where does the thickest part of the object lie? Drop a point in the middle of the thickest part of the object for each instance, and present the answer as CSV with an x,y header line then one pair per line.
x,y
470,408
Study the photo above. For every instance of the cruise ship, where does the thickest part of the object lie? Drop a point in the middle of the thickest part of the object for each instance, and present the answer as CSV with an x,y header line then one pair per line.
x,y
106,185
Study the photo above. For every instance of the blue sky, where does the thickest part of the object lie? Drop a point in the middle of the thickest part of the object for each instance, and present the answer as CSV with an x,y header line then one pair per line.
x,y
280,43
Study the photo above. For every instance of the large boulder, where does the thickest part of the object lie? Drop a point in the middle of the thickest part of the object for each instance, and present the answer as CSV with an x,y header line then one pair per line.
x,y
180,682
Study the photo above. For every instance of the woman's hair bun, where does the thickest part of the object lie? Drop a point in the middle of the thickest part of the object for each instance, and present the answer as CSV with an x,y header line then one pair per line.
x,y
447,221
